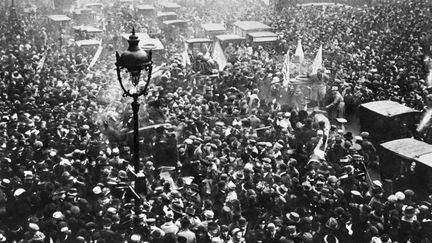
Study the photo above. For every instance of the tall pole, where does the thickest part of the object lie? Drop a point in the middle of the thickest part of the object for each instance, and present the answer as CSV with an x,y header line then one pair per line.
x,y
135,109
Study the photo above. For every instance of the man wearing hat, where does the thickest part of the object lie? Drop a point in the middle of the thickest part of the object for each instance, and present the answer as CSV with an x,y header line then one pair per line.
x,y
185,231
369,150
271,233
169,226
33,234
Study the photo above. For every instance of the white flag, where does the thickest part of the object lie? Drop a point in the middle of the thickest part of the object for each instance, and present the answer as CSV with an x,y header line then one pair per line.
x,y
285,70
266,2
185,57
96,56
317,63
219,56
299,52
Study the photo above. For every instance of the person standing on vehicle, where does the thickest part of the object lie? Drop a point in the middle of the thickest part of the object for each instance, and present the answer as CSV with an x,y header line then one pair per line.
x,y
336,108
319,87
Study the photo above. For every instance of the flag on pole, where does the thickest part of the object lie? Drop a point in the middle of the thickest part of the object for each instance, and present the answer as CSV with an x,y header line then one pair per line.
x,y
285,70
299,52
317,63
185,57
219,56
96,56
41,62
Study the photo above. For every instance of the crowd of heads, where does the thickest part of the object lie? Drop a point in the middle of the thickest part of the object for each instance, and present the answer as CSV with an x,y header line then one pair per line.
x,y
245,167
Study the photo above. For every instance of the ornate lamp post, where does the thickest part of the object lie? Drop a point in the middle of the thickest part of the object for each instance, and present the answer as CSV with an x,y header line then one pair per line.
x,y
138,63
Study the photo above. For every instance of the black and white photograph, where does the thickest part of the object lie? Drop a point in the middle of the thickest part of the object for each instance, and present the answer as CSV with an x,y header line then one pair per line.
x,y
216,121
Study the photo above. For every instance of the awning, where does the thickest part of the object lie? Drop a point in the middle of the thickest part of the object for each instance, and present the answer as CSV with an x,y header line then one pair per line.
x,y
88,43
229,37
251,25
388,108
59,18
213,27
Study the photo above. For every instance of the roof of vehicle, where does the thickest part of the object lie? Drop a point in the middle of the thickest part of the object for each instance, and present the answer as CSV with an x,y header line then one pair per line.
x,y
213,27
162,14
262,34
88,43
141,36
174,22
412,149
88,29
59,18
170,5
145,7
251,25
388,108
199,40
228,37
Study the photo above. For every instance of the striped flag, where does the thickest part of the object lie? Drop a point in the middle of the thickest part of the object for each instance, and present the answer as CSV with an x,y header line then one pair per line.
x,y
299,52
317,63
286,70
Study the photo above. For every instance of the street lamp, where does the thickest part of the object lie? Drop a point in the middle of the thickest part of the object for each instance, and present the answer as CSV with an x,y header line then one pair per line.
x,y
138,64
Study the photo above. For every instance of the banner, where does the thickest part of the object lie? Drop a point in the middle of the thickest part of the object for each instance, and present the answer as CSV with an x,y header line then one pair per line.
x,y
299,52
96,56
219,56
317,63
285,70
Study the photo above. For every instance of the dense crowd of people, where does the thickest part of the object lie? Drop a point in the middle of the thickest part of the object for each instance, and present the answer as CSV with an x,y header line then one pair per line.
x,y
237,164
